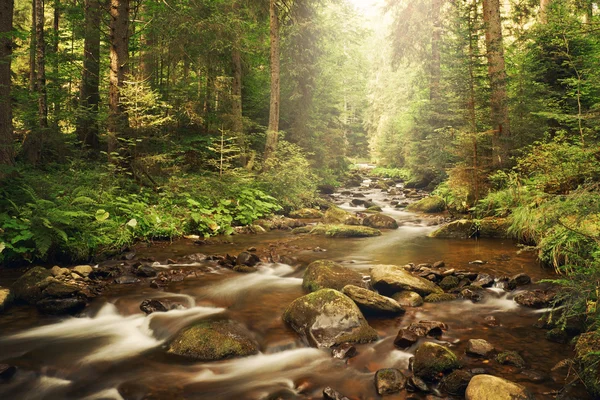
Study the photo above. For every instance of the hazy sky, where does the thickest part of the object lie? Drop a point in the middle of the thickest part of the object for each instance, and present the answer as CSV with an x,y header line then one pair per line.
x,y
367,6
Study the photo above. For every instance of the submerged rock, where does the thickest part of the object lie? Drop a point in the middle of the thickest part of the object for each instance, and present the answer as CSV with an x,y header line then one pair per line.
x,y
389,279
326,274
389,380
431,360
464,228
488,387
510,358
214,340
380,221
479,348
61,306
407,298
327,318
370,302
456,382
29,287
431,204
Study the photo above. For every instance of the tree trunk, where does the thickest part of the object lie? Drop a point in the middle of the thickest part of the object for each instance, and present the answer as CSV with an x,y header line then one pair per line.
x,y
119,52
544,5
147,66
497,76
273,129
55,64
32,74
436,37
236,108
40,63
6,45
89,96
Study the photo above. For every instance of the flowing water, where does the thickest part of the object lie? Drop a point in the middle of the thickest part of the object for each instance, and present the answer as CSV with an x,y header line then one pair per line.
x,y
114,351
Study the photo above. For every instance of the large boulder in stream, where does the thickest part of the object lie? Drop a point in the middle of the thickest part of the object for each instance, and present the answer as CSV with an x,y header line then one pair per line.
x,y
389,279
335,215
488,387
327,318
432,360
326,274
370,302
306,213
380,221
431,204
389,380
465,228
214,340
345,231
28,288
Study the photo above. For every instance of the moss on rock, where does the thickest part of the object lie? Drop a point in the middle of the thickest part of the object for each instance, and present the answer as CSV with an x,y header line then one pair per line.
x,y
389,279
327,318
335,215
29,287
464,228
306,213
214,340
432,360
326,274
380,221
449,282
344,231
440,297
431,204
510,358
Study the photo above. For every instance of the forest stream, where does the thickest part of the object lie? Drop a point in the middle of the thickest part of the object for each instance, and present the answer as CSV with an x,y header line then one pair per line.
x,y
112,350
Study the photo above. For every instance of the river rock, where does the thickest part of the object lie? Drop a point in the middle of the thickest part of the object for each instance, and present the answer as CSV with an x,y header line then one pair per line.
x,y
7,371
336,215
389,380
331,394
389,279
69,306
146,271
416,384
488,387
518,280
344,350
6,298
456,382
370,302
244,269
534,298
306,213
483,280
60,290
587,360
327,318
464,228
149,306
214,340
83,270
428,328
126,280
510,358
439,297
247,258
380,221
57,271
405,338
322,274
431,204
473,293
431,360
479,348
557,335
407,298
449,282
28,288
345,231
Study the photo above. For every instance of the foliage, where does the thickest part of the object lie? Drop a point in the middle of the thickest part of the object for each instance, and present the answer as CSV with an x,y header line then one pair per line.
x,y
393,173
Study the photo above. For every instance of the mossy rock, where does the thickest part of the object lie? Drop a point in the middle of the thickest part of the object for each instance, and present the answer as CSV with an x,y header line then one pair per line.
x,y
344,231
431,204
371,302
326,274
214,340
431,360
510,358
557,335
440,297
449,282
464,228
328,318
587,357
389,279
306,213
456,382
60,290
389,380
407,298
335,215
374,209
380,221
488,387
302,229
29,287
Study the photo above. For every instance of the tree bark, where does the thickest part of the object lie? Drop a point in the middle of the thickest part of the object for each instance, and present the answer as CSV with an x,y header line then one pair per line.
x,y
436,37
89,95
119,54
32,74
273,129
56,63
6,45
40,63
147,64
236,108
497,76
544,5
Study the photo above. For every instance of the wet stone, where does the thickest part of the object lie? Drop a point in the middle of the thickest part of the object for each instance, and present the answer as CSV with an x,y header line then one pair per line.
x,y
61,306
490,320
405,339
345,350
331,394
456,383
247,258
416,384
7,371
389,380
145,271
126,280
511,358
428,328
483,280
479,348
519,280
